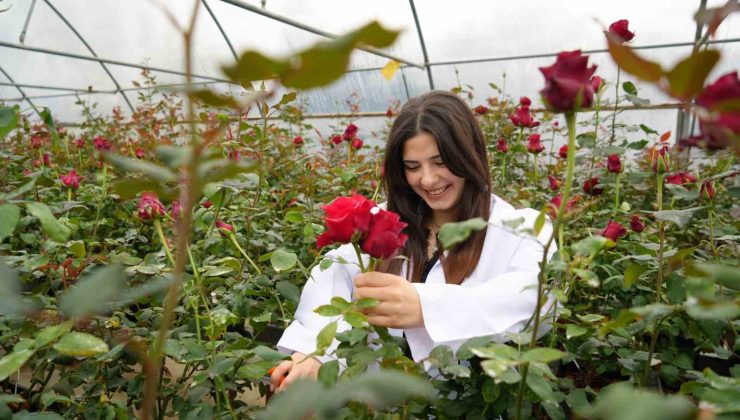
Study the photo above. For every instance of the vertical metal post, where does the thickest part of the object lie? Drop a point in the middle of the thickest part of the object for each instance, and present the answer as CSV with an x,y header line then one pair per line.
x,y
22,38
423,45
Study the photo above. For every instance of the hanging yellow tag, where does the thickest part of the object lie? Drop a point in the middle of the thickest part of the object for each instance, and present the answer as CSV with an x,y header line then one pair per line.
x,y
390,69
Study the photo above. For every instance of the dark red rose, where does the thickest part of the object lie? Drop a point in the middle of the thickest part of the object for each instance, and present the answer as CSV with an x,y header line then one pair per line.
x,y
637,224
533,144
345,216
596,83
563,152
206,204
554,182
336,139
139,153
660,159
590,186
234,155
101,144
502,146
46,159
357,144
613,164
176,209
80,143
384,238
555,125
620,29
389,112
522,118
707,191
373,184
720,121
480,110
556,201
298,140
36,142
568,82
350,132
680,178
613,231
223,227
149,206
524,101
71,180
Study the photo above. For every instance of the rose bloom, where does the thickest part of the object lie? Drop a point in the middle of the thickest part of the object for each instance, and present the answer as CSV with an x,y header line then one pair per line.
x,y
501,145
522,118
568,82
71,180
223,227
480,110
234,155
298,141
620,29
534,145
637,224
149,206
350,132
563,152
524,101
336,139
389,112
556,201
590,186
720,122
680,178
613,164
357,144
46,158
707,191
139,153
554,182
80,143
345,217
101,144
613,231
207,204
36,142
596,83
384,238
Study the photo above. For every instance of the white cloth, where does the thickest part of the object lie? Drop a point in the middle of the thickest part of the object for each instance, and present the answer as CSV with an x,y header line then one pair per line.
x,y
497,298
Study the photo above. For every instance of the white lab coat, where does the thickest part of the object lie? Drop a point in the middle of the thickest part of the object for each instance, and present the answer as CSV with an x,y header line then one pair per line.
x,y
499,296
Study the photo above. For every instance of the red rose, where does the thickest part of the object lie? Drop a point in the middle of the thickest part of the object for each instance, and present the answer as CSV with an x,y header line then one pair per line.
x,y
336,139
345,216
554,182
590,186
524,101
637,224
555,125
534,145
680,178
298,141
36,142
139,153
389,112
563,152
568,82
357,144
501,145
373,184
480,110
46,159
613,231
149,206
384,238
707,191
223,227
207,204
620,29
71,180
556,201
102,144
522,118
176,209
80,143
613,164
660,159
350,132
720,122
234,155
596,83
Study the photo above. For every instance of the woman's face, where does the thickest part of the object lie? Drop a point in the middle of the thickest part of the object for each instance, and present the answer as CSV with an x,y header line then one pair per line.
x,y
428,176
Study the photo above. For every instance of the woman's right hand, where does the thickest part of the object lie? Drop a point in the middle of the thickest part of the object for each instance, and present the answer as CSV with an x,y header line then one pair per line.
x,y
295,368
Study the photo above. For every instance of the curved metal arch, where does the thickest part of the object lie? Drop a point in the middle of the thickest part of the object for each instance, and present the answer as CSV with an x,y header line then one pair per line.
x,y
89,48
25,97
423,45
220,28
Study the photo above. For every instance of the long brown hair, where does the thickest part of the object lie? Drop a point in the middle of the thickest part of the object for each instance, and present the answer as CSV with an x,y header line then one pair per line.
x,y
453,125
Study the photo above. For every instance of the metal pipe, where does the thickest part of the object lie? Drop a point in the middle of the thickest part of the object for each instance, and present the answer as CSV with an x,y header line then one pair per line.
x,y
423,45
218,24
86,92
56,88
23,94
299,25
22,37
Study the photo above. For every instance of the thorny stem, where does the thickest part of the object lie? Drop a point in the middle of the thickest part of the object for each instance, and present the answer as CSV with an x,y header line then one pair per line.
x,y
658,281
616,194
160,233
359,258
241,250
616,103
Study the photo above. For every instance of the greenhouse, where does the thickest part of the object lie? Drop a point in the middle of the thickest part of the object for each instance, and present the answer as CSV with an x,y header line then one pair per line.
x,y
336,209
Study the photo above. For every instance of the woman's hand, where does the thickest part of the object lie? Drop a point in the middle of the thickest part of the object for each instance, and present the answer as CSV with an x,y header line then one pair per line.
x,y
399,305
298,367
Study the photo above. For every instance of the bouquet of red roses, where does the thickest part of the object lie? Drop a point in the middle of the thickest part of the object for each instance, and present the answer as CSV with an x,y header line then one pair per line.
x,y
359,221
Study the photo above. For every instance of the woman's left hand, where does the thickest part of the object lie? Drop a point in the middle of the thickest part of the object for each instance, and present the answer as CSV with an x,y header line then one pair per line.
x,y
399,305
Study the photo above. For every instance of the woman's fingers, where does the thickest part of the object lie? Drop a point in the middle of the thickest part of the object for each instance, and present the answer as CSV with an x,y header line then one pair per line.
x,y
277,374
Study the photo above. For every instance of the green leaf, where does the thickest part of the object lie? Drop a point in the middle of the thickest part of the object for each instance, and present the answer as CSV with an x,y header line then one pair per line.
x,y
356,319
50,397
632,63
451,234
328,310
129,188
679,217
283,260
365,303
325,337
289,290
52,333
573,330
490,391
340,303
687,78
590,245
726,275
13,361
11,302
632,273
217,271
465,351
294,216
540,221
10,214
647,130
8,120
51,225
629,88
223,317
80,344
652,311
329,372
77,248
93,293
543,354
540,386
266,353
255,370
638,145
623,402
152,171
49,121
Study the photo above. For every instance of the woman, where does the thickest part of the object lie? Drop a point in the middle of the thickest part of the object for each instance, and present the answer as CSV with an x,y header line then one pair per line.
x,y
436,172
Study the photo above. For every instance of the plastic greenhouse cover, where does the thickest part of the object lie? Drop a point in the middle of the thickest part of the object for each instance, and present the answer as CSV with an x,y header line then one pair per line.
x,y
139,32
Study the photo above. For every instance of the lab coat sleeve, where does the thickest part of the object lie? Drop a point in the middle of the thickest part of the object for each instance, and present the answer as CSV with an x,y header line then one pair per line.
x,y
499,305
319,289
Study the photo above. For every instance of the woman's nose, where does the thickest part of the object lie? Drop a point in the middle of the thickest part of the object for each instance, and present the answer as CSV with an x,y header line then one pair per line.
x,y
428,177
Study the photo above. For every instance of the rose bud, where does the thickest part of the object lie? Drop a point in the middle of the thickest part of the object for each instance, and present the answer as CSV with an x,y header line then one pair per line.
x,y
596,83
224,228
613,231
563,152
139,153
101,144
557,200
207,204
522,118
71,180
298,141
234,155
357,144
524,101
373,184
176,209
149,206
47,159
660,159
680,178
554,182
389,112
707,191
80,143
480,110
613,164
350,132
621,30
590,186
36,142
534,145
501,145
637,224
336,139
568,82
